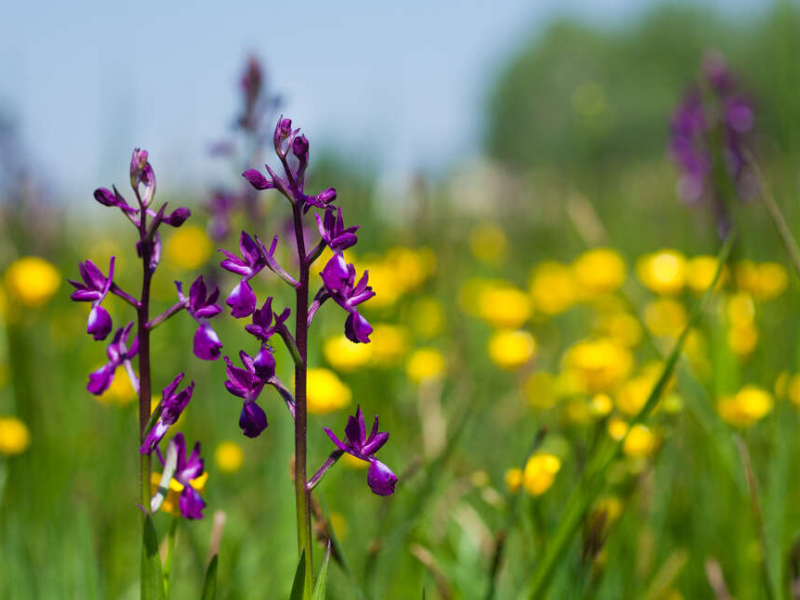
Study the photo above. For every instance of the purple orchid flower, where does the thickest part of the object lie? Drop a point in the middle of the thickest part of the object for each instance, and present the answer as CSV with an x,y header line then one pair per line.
x,y
380,478
339,279
242,298
142,173
332,230
190,502
118,355
94,289
247,384
265,322
172,405
202,306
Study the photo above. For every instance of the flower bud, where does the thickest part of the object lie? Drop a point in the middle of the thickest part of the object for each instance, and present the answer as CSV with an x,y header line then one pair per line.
x,y
257,180
327,196
178,216
264,363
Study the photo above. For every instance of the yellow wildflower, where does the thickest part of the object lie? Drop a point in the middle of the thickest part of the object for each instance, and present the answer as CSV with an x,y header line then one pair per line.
x,y
540,472
764,281
345,356
540,390
188,248
600,271
611,506
741,309
742,339
511,349
32,280
504,306
794,389
384,281
623,328
553,288
411,267
665,317
663,272
326,392
428,317
617,428
14,436
488,243
578,411
389,344
600,365
747,407
641,441
601,406
229,457
700,272
425,364
513,480
339,524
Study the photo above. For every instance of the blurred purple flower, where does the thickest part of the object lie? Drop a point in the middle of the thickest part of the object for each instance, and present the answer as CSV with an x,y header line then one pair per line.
x,y
94,289
118,354
247,384
380,478
172,405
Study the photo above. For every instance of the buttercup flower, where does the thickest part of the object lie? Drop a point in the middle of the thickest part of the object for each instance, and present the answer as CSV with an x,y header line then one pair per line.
x,y
172,405
188,248
229,457
380,478
14,436
32,280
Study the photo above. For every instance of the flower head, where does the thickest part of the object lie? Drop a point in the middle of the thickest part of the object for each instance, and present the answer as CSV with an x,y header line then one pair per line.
x,y
333,231
380,478
94,289
242,298
202,306
265,322
118,354
247,384
142,174
172,405
339,279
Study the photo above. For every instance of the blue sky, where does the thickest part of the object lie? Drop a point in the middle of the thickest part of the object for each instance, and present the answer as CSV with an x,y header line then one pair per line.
x,y
399,85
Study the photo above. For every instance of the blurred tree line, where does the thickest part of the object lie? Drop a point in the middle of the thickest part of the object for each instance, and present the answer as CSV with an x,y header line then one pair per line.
x,y
580,95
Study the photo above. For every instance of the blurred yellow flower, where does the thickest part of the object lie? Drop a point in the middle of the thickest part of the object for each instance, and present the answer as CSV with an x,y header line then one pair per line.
x,y
488,243
700,271
741,309
425,364
389,344
747,407
665,317
764,281
641,441
793,390
339,525
384,281
601,406
326,392
32,280
513,480
553,288
578,411
540,472
504,306
611,506
229,457
188,248
600,271
345,356
540,390
663,272
14,436
617,428
428,317
599,365
410,266
511,349
623,328
743,339
171,502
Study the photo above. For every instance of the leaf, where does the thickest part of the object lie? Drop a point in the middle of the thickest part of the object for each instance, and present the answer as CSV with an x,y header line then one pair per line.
x,y
299,579
152,587
322,579
423,594
210,581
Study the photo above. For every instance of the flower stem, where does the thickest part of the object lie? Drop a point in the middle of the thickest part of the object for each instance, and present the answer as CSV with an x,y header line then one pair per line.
x,y
172,310
334,456
171,536
302,494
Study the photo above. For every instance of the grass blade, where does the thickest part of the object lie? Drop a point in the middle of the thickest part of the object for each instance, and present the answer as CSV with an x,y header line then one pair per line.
x,y
298,587
322,580
210,581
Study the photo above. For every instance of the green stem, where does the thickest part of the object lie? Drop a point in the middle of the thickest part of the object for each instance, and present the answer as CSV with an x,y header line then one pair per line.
x,y
171,537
